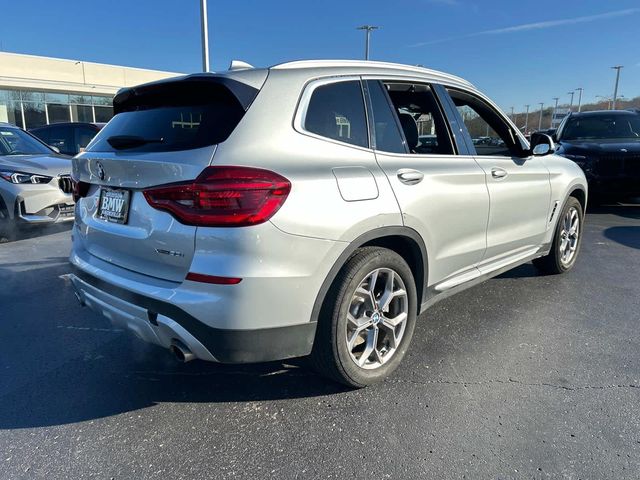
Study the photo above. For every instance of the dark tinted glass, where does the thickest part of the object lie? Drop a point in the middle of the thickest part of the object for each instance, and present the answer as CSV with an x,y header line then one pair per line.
x,y
602,126
84,135
336,111
173,120
61,137
14,141
103,114
387,135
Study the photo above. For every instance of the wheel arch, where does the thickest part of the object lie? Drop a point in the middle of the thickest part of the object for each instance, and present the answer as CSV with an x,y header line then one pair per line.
x,y
579,194
405,241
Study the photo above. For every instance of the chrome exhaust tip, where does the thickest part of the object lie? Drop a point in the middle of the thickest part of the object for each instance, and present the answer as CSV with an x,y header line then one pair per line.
x,y
181,352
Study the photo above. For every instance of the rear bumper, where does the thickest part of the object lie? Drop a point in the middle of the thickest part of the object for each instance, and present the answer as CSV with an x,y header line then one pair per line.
x,y
163,324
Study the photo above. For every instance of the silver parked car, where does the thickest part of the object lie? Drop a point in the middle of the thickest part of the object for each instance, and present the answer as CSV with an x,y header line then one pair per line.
x,y
262,214
35,182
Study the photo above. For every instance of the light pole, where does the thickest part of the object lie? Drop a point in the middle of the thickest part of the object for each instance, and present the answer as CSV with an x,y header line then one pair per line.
x,y
540,119
526,120
204,31
555,109
571,103
368,29
617,68
579,89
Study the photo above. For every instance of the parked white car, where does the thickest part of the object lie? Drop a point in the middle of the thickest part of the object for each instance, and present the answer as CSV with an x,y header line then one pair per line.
x,y
35,182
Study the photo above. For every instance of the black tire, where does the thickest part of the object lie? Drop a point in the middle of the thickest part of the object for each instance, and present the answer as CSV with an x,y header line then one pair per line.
x,y
553,262
331,356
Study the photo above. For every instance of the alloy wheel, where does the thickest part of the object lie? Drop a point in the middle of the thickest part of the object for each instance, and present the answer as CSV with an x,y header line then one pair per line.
x,y
377,318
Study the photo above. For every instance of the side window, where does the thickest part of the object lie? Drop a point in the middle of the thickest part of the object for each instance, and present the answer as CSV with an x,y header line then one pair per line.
x,y
41,134
336,111
490,134
385,125
421,120
83,137
62,138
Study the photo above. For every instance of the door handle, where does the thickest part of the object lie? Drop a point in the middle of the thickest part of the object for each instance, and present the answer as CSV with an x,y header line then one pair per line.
x,y
409,176
498,172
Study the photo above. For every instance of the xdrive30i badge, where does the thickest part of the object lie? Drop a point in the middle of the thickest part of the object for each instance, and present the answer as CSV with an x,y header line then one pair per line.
x,y
172,253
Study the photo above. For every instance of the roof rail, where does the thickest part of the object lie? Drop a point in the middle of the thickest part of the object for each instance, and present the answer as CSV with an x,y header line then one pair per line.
x,y
366,64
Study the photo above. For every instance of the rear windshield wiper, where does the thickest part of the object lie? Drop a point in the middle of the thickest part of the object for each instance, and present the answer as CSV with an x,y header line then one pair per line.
x,y
121,142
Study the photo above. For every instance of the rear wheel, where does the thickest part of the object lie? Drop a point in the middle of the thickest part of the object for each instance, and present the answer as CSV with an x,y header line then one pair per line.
x,y
368,319
566,240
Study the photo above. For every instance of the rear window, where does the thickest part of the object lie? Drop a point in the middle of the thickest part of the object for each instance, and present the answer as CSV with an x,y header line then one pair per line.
x,y
170,117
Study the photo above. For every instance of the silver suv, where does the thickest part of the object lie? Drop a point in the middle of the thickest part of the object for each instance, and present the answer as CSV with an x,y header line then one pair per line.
x,y
311,208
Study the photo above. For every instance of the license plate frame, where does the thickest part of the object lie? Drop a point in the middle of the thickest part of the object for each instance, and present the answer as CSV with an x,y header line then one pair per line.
x,y
113,211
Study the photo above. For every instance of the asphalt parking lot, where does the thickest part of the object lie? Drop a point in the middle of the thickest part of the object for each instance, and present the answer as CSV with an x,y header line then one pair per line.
x,y
524,376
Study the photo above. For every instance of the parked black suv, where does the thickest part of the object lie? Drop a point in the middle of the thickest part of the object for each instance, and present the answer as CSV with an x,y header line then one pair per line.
x,y
606,144
69,138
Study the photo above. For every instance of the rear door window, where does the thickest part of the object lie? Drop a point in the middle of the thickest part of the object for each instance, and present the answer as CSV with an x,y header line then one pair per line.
x,y
336,111
385,125
174,116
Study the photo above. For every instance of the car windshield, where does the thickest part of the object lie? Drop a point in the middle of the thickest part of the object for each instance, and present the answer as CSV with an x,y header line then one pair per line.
x,y
14,141
603,127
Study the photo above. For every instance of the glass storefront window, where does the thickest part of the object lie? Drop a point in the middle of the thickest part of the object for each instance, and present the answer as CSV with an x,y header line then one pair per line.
x,y
58,107
103,114
34,114
58,113
56,98
99,100
32,96
82,113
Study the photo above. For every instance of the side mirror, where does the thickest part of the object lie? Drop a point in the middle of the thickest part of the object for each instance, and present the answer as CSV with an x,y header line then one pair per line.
x,y
55,149
542,144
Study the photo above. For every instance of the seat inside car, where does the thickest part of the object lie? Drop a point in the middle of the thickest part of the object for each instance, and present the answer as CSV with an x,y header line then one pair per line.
x,y
410,129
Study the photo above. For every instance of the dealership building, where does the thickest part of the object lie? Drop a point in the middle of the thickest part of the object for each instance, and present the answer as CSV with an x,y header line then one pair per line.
x,y
36,91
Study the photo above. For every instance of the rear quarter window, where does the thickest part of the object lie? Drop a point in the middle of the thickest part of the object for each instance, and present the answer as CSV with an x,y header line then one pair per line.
x,y
336,111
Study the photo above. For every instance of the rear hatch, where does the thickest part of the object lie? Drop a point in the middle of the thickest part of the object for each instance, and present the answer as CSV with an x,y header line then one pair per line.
x,y
162,133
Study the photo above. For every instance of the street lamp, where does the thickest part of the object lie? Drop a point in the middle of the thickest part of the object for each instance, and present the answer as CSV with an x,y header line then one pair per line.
x,y
579,89
526,120
540,119
617,68
555,110
204,31
571,103
368,29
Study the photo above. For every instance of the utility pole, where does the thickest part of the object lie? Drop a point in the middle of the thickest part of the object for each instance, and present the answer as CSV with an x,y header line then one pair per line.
x,y
555,110
512,117
617,68
579,89
540,119
571,103
368,29
204,30
526,120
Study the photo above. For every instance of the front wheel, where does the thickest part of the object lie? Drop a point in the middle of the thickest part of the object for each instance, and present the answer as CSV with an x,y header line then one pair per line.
x,y
368,319
566,240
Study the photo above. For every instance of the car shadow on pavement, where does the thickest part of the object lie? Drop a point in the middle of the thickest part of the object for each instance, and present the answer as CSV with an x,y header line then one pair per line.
x,y
628,236
34,232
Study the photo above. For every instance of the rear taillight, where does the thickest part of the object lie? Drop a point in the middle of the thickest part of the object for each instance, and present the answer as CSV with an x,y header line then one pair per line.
x,y
79,189
223,197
